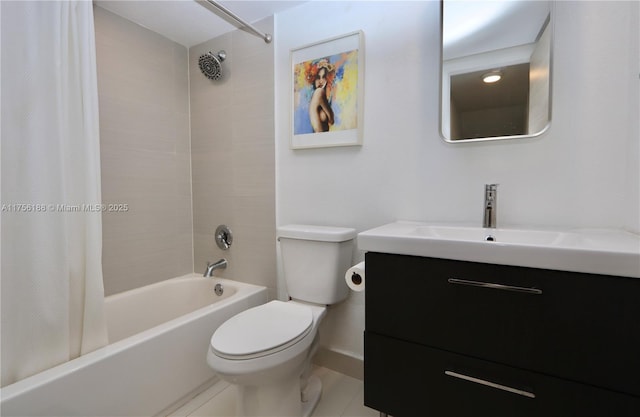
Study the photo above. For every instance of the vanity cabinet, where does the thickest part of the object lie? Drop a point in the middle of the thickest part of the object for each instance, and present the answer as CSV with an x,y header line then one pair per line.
x,y
457,338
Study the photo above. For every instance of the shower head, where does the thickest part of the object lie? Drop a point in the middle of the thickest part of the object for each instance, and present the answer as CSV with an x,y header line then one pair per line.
x,y
211,64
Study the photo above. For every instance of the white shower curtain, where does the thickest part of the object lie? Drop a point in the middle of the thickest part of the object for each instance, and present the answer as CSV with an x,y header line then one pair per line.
x,y
51,283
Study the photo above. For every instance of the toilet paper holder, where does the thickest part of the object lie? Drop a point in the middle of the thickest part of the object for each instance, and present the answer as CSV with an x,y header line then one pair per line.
x,y
356,278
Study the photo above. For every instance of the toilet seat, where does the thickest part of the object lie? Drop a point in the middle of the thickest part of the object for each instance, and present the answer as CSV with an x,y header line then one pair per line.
x,y
262,330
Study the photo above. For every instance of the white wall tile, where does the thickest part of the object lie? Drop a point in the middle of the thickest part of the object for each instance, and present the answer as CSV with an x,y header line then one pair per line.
x,y
145,154
233,157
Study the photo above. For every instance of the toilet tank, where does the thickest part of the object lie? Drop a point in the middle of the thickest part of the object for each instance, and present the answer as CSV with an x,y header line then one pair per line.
x,y
314,261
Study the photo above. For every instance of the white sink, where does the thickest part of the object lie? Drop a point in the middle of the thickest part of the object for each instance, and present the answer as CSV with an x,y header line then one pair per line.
x,y
609,252
477,234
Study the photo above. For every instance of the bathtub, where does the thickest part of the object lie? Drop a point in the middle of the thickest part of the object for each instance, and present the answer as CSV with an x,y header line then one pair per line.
x,y
155,360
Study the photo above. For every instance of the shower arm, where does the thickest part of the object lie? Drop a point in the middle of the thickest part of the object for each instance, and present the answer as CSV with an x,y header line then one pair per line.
x,y
265,36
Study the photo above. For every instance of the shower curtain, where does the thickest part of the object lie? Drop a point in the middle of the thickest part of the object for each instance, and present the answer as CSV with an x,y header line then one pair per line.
x,y
51,247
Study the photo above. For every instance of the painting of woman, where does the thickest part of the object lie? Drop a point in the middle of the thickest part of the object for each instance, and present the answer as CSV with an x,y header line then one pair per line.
x,y
325,94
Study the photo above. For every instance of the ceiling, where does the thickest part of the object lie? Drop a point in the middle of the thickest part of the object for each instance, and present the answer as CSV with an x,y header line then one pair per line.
x,y
474,27
190,22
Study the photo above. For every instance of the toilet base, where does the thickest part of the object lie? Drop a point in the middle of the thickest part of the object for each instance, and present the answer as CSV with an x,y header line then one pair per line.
x,y
279,399
311,395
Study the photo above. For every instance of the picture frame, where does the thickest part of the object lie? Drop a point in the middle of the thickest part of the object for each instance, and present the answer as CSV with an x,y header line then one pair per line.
x,y
327,92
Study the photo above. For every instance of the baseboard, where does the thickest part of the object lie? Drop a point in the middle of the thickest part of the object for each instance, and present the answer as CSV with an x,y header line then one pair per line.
x,y
340,362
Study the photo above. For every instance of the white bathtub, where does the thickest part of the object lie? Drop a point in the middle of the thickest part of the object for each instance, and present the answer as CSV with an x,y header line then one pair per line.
x,y
155,360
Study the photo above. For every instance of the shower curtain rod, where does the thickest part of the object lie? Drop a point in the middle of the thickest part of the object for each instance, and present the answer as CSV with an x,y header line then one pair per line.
x,y
265,36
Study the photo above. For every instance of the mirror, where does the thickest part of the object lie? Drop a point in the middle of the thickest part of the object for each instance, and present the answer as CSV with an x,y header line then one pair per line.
x,y
508,40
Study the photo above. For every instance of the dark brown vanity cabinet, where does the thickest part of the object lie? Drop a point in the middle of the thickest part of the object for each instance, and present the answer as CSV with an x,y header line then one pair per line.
x,y
454,338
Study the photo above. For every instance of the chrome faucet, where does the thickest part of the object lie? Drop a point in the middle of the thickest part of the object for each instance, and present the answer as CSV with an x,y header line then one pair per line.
x,y
490,205
221,264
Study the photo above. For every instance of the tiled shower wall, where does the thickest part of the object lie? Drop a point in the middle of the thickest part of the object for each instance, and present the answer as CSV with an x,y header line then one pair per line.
x,y
233,156
143,91
170,136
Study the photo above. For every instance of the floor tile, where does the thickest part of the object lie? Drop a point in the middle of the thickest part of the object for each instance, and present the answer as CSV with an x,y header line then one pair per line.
x,y
222,405
337,393
357,408
342,396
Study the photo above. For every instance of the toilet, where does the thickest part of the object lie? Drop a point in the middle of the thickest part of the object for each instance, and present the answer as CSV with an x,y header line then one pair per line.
x,y
266,351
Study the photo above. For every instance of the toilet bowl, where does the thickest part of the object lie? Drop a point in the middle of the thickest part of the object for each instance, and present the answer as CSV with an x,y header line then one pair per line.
x,y
266,351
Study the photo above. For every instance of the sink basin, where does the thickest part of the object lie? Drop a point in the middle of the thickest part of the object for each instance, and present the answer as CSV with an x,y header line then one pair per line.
x,y
607,252
477,234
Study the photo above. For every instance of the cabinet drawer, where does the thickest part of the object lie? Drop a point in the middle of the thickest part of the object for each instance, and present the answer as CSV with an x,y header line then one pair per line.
x,y
406,379
581,327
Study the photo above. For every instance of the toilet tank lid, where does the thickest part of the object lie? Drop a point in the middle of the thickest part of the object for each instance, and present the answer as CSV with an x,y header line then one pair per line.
x,y
319,233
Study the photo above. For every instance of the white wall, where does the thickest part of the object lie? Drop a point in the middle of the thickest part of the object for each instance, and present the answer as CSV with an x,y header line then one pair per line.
x,y
633,66
583,172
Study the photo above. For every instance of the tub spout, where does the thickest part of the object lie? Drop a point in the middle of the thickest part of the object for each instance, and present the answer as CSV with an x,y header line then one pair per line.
x,y
221,264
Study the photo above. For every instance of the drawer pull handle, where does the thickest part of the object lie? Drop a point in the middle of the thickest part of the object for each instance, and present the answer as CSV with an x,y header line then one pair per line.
x,y
535,291
490,384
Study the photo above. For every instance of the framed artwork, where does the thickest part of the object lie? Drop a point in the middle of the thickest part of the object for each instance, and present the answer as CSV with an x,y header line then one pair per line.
x,y
327,93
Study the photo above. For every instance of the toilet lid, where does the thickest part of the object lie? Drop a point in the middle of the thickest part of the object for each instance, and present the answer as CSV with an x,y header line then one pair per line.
x,y
262,330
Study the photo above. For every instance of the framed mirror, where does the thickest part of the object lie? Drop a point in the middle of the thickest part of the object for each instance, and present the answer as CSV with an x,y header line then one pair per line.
x,y
495,69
